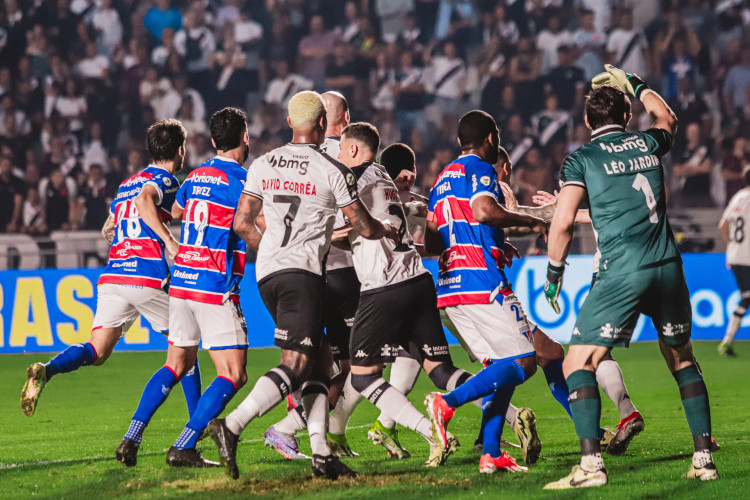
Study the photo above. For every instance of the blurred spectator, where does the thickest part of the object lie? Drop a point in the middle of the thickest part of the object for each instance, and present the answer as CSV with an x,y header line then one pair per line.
x,y
342,71
161,53
382,79
693,167
12,191
33,213
92,199
94,65
552,124
689,108
284,85
162,16
550,39
448,85
94,152
392,15
174,96
534,173
411,96
627,46
72,107
314,50
106,22
590,43
58,193
736,83
195,42
735,158
525,69
567,81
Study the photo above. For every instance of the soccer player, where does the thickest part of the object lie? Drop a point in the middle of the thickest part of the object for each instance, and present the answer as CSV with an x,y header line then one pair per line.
x,y
137,272
204,294
397,304
732,227
621,175
299,189
466,222
339,305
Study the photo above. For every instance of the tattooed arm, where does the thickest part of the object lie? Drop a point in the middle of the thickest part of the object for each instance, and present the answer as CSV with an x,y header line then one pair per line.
x,y
248,210
108,231
368,226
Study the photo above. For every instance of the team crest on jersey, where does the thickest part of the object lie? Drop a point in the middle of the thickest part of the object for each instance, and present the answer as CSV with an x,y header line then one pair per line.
x,y
485,180
167,181
350,180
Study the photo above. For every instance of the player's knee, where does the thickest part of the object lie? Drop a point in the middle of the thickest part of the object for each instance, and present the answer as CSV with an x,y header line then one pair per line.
x,y
298,363
361,382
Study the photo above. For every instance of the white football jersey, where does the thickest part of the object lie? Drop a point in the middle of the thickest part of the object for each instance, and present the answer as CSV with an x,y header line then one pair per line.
x,y
337,258
738,216
382,262
302,189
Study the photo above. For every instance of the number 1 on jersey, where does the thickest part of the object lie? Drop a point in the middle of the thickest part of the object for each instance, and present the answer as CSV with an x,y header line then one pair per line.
x,y
641,184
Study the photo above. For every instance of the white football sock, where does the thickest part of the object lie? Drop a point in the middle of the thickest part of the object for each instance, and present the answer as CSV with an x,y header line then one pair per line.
x,y
404,373
734,326
292,423
345,406
592,463
510,416
398,407
263,398
609,378
315,402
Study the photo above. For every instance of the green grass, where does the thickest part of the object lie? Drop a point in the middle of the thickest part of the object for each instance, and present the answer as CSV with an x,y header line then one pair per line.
x,y
66,449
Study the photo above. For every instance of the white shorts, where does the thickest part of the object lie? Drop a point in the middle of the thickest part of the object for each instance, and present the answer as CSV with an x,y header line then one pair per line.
x,y
222,325
120,305
496,330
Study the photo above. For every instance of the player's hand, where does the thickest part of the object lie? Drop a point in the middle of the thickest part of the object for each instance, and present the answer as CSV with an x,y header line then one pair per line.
x,y
553,285
391,232
509,252
542,198
416,208
341,233
173,248
541,227
629,83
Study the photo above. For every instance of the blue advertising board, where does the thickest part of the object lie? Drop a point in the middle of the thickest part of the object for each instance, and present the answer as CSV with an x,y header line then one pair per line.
x,y
48,309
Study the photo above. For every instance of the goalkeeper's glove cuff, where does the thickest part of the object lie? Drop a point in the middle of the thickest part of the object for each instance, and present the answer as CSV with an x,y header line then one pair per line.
x,y
554,273
639,86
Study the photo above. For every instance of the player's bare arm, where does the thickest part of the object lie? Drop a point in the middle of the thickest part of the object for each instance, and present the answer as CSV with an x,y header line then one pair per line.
x,y
108,230
433,244
244,225
724,230
583,216
486,210
147,203
368,226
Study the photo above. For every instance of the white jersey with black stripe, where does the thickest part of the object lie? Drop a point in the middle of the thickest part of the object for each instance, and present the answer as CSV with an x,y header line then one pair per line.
x,y
382,262
737,214
302,189
337,258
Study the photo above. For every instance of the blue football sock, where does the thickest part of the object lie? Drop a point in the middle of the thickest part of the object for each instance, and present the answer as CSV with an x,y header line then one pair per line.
x,y
71,359
556,382
494,408
154,394
191,386
501,372
213,402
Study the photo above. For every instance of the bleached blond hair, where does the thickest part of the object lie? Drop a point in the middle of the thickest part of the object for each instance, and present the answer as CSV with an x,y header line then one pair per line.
x,y
306,108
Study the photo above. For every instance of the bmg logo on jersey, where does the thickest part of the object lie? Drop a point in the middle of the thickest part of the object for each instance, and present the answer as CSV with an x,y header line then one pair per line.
x,y
297,162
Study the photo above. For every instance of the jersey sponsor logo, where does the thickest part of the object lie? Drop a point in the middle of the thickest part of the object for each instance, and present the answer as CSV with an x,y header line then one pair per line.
x,y
630,143
435,350
185,275
127,263
674,329
297,162
360,354
474,184
193,256
280,334
606,331
445,281
389,351
442,188
206,178
127,247
306,341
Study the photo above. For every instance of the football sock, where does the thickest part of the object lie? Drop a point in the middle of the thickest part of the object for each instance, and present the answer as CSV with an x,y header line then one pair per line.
x,y
556,382
154,394
586,408
609,378
494,407
293,422
510,415
404,373
393,403
447,377
191,386
269,390
71,359
695,401
500,372
211,403
734,325
592,462
315,402
348,401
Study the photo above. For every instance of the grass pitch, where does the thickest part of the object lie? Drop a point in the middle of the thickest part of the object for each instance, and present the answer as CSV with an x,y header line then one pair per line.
x,y
66,450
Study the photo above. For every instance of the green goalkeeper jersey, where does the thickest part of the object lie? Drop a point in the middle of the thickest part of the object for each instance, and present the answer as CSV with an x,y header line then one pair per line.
x,y
624,181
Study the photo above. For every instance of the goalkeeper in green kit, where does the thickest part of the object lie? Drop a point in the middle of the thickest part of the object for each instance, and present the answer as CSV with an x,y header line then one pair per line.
x,y
621,175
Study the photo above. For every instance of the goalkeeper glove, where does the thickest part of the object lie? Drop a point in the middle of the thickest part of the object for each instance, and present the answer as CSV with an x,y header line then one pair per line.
x,y
553,285
627,82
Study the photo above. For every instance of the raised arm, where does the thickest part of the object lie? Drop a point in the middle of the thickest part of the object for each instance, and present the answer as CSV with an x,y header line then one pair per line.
x,y
486,210
366,225
147,203
248,210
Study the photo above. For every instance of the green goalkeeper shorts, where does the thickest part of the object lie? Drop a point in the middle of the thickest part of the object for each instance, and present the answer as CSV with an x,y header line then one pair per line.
x,y
611,309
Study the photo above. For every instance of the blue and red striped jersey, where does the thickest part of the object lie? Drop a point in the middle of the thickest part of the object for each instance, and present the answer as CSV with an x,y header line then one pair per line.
x,y
211,260
470,273
136,256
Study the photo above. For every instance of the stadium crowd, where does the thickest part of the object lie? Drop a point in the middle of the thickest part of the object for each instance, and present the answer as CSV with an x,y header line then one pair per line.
x,y
80,80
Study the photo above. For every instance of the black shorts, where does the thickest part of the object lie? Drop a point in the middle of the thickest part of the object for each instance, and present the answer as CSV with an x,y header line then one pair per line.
x,y
742,275
295,300
405,315
339,307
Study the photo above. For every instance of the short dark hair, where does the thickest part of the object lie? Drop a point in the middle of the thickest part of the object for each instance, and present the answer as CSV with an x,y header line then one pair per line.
x,y
227,127
365,133
473,127
607,105
503,156
165,138
398,157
